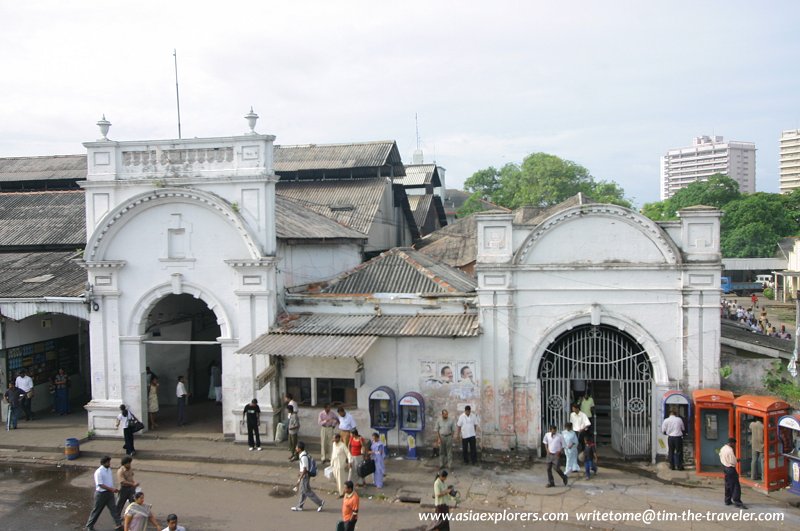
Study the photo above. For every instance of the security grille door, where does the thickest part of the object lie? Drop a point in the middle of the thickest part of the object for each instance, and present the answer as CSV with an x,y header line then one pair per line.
x,y
601,353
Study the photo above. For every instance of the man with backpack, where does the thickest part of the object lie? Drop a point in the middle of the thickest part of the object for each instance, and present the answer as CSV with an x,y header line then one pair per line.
x,y
308,470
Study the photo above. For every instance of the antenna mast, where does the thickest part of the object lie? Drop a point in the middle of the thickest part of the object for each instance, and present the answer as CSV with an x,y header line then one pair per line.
x,y
416,122
177,94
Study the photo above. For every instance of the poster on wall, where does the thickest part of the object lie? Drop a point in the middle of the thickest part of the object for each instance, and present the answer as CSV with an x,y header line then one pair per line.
x,y
445,372
427,371
466,373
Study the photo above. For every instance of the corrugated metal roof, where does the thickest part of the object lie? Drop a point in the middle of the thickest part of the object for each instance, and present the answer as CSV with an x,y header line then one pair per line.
x,y
30,219
295,221
352,203
420,205
43,168
309,346
401,270
459,325
44,274
338,156
421,175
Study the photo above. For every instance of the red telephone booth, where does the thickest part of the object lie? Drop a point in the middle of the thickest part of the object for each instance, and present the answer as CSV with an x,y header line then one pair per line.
x,y
713,424
760,465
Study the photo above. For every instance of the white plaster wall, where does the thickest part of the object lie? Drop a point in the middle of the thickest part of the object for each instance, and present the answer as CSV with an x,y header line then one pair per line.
x,y
306,263
395,363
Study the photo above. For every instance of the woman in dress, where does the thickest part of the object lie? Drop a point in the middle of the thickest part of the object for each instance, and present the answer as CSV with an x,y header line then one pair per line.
x,y
570,449
152,402
340,459
138,514
126,418
377,451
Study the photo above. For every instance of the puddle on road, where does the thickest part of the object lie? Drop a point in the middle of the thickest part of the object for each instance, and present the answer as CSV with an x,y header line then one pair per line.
x,y
40,498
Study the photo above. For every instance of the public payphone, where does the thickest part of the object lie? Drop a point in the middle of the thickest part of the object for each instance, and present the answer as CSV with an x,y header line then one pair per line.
x,y
683,408
412,419
760,465
713,425
789,440
382,411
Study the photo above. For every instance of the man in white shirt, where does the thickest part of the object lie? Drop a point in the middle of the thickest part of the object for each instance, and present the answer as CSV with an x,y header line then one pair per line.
x,y
104,494
580,424
180,391
733,490
304,480
468,428
346,425
25,384
674,429
172,524
555,445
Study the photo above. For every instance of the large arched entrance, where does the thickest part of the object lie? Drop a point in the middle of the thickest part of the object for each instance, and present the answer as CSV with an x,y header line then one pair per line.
x,y
183,340
618,372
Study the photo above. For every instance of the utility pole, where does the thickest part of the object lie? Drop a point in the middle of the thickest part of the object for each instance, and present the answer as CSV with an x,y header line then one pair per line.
x,y
177,94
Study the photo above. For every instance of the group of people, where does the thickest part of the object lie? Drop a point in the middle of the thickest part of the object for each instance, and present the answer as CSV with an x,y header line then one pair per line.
x,y
18,397
757,322
466,429
128,510
576,437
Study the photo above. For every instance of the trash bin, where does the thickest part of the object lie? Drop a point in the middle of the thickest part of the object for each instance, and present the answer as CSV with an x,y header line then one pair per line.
x,y
72,449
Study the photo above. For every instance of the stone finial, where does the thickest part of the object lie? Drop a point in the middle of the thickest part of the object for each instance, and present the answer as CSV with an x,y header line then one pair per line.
x,y
104,124
251,118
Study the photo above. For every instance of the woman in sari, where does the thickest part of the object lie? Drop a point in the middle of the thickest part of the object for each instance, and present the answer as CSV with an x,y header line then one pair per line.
x,y
138,514
340,459
377,451
570,449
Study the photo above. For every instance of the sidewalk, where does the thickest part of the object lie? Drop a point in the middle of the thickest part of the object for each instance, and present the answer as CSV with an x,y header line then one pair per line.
x,y
516,486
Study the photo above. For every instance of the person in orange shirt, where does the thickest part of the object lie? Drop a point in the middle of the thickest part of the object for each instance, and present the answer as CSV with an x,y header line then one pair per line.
x,y
349,507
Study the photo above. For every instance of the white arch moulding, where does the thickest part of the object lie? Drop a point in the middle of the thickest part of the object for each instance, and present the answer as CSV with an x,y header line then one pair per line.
x,y
114,220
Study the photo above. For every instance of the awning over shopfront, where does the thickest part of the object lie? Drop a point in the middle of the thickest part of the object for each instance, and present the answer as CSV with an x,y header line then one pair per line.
x,y
309,346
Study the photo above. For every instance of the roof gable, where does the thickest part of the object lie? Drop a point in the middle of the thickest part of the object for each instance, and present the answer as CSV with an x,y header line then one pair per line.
x,y
314,160
401,270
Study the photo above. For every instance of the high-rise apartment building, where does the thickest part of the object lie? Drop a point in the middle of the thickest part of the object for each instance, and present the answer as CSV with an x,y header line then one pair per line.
x,y
705,157
790,160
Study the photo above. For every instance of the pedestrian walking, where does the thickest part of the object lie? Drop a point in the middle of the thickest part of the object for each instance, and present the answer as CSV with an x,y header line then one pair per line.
x,y
139,514
674,429
580,423
570,449
304,480
349,508
13,397
589,455
125,418
733,490
293,426
468,429
61,384
327,420
103,494
180,391
127,484
555,445
445,428
152,402
252,416
377,452
340,461
25,384
216,381
346,424
358,448
443,497
172,523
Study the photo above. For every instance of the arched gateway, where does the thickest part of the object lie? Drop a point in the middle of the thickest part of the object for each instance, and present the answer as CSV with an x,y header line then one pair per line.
x,y
616,368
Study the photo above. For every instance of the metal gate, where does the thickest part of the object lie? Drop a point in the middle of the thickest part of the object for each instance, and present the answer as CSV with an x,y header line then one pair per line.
x,y
601,353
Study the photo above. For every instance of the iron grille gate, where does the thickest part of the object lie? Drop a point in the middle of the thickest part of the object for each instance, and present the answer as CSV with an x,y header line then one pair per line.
x,y
601,353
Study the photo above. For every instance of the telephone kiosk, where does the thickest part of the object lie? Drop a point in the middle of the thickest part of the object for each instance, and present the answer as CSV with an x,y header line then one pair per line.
x,y
789,440
683,407
713,425
769,462
412,420
382,411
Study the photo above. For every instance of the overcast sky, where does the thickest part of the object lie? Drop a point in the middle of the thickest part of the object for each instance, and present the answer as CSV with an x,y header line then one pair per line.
x,y
610,85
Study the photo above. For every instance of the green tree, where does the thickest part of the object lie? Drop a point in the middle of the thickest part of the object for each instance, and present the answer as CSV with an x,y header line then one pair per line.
x,y
752,225
541,180
471,205
717,191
